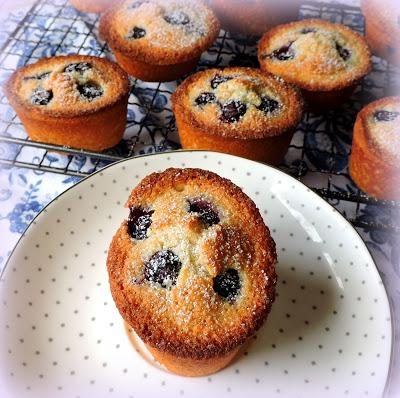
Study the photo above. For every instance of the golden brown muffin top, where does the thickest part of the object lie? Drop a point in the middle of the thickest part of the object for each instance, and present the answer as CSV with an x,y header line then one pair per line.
x,y
242,103
192,270
381,122
161,32
68,86
314,54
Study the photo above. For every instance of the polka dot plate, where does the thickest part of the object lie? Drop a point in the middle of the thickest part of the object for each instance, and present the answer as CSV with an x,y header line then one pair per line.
x,y
329,332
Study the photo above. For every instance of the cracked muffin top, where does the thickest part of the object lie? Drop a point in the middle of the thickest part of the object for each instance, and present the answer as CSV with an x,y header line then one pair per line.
x,y
192,269
68,85
314,54
161,32
381,122
238,103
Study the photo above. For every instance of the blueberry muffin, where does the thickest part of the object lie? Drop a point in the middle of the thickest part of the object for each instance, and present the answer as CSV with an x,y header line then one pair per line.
x,y
382,28
76,101
159,40
192,269
375,154
93,5
241,111
326,60
254,17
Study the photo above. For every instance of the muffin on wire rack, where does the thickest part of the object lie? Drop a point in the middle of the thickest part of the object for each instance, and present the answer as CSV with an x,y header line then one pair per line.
x,y
97,6
192,269
375,153
159,40
241,111
77,101
326,60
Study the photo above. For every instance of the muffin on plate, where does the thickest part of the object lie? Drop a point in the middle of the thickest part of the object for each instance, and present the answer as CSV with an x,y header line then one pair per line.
x,y
241,111
326,60
382,28
375,153
76,101
159,40
93,5
254,17
192,269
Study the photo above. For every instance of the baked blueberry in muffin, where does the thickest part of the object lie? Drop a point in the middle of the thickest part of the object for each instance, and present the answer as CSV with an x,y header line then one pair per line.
x,y
159,40
192,269
375,154
241,111
75,100
326,60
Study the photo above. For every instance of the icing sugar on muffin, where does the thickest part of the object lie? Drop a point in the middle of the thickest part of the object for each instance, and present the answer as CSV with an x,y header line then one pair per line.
x,y
241,111
75,100
375,154
326,60
192,269
159,40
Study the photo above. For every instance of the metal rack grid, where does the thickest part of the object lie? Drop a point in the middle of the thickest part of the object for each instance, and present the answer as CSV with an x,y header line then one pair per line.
x,y
318,154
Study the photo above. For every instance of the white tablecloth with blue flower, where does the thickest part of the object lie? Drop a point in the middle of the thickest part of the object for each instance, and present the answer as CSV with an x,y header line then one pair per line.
x,y
24,192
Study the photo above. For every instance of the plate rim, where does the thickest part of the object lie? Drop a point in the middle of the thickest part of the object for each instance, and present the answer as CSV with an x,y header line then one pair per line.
x,y
385,392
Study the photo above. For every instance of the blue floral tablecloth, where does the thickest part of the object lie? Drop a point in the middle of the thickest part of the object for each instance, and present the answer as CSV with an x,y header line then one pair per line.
x,y
24,192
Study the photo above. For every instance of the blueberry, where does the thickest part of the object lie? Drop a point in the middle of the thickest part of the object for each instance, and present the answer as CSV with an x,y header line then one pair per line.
x,y
177,18
304,31
163,268
40,76
205,98
136,33
137,4
268,105
90,91
283,53
80,67
218,79
139,222
385,116
343,52
227,285
205,210
232,111
40,96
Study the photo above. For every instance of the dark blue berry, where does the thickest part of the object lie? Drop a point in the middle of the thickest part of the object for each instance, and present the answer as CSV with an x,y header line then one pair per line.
x,y
227,285
343,52
80,67
137,4
268,105
205,210
40,96
139,222
218,79
205,98
232,111
90,91
163,268
283,53
136,33
304,31
177,18
40,76
385,116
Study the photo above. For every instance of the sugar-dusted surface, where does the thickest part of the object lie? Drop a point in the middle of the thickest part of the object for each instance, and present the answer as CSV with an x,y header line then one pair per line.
x,y
315,54
164,285
329,330
160,32
68,85
238,102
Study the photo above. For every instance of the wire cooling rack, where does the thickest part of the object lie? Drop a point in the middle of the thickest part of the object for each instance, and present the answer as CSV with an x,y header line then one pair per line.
x,y
318,154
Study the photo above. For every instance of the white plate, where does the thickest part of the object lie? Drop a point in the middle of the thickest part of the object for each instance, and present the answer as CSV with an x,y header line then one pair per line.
x,y
329,332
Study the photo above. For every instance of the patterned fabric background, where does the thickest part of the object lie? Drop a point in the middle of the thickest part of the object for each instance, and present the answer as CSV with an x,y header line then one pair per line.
x,y
321,143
